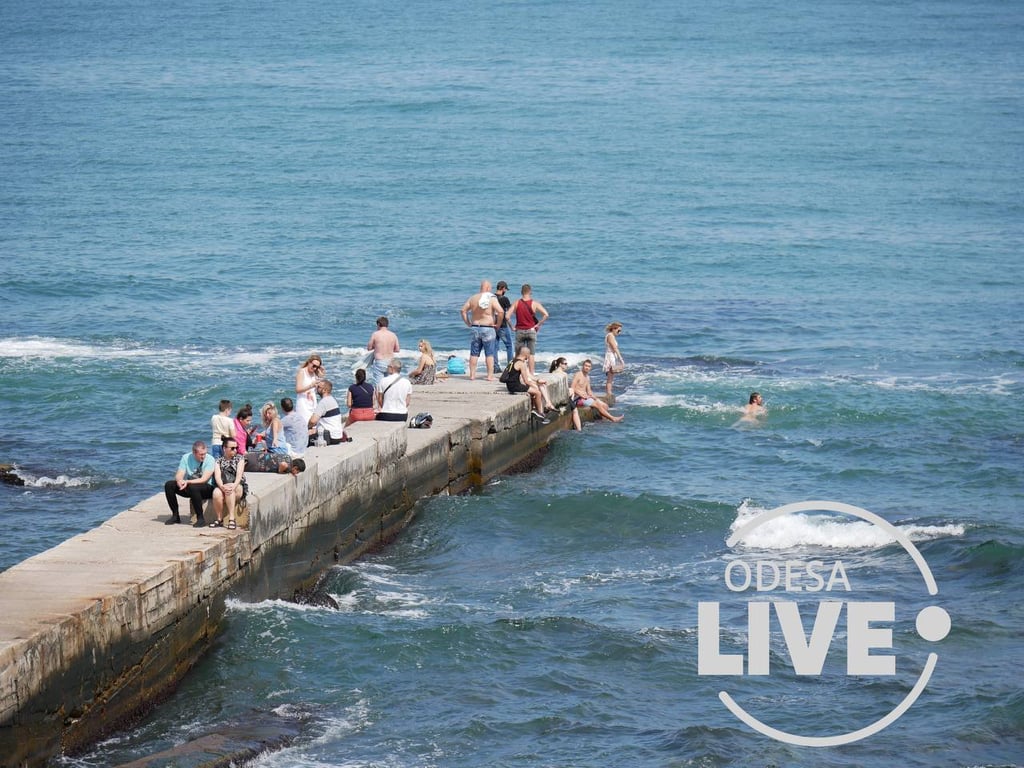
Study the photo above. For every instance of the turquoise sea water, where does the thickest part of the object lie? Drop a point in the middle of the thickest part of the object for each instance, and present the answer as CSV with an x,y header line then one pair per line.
x,y
820,201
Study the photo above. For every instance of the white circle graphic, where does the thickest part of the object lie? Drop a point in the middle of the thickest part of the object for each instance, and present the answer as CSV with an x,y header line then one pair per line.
x,y
933,624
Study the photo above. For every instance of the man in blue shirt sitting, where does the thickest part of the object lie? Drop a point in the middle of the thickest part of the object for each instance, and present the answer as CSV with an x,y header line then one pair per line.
x,y
193,481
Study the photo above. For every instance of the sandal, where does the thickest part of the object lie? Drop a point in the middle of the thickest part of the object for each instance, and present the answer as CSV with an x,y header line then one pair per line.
x,y
231,525
216,524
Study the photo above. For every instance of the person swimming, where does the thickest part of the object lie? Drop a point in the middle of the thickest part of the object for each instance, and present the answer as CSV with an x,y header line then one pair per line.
x,y
754,410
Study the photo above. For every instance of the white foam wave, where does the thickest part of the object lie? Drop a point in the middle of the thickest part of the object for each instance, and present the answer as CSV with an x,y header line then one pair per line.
x,y
355,718
49,347
60,481
686,402
271,606
829,531
1002,385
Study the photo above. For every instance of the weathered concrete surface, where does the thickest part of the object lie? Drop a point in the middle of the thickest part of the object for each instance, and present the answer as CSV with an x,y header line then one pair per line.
x,y
99,629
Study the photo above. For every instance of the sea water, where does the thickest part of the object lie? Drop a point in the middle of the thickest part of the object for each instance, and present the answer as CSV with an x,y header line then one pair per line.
x,y
818,201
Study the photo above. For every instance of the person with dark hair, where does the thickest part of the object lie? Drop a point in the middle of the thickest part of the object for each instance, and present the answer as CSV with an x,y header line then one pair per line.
x,y
384,344
505,328
754,408
273,462
229,482
296,430
520,380
359,400
560,367
244,428
192,481
221,426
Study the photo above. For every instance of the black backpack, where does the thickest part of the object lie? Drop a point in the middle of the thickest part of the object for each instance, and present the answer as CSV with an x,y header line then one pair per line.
x,y
507,373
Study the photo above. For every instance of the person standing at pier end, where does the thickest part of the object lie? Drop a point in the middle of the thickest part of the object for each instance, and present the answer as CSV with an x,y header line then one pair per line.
x,y
529,315
483,314
613,362
192,481
384,343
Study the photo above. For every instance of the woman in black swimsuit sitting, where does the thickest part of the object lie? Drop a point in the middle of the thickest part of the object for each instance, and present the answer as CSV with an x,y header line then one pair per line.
x,y
520,380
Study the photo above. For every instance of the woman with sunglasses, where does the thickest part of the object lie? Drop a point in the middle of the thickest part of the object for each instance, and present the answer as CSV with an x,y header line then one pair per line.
x,y
229,481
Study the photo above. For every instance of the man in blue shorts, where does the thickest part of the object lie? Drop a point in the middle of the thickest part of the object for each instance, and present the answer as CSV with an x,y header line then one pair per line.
x,y
483,314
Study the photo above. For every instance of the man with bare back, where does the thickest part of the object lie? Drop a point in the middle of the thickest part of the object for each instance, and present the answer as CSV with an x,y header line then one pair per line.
x,y
483,314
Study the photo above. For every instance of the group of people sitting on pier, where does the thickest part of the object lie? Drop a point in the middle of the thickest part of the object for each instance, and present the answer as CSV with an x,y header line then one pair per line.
x,y
381,393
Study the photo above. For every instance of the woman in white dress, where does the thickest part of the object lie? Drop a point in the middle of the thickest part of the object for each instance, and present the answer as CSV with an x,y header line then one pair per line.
x,y
306,378
613,362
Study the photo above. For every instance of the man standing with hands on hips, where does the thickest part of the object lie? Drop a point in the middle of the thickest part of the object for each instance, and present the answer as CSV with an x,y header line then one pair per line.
x,y
483,314
529,316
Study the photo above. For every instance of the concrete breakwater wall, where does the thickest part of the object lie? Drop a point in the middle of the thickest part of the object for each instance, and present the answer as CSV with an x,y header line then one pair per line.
x,y
97,630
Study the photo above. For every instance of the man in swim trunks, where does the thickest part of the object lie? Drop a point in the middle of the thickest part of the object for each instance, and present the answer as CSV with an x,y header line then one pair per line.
x,y
384,344
483,314
584,396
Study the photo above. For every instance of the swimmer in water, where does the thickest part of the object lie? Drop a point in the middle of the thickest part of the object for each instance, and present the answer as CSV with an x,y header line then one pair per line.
x,y
754,409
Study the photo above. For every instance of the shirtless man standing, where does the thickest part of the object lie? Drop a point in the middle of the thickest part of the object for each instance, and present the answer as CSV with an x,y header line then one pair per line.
x,y
583,395
384,344
483,314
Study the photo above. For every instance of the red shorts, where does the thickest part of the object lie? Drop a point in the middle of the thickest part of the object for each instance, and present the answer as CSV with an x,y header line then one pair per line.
x,y
361,414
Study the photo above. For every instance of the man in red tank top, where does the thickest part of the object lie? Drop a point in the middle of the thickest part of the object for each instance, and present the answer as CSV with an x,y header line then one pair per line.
x,y
529,315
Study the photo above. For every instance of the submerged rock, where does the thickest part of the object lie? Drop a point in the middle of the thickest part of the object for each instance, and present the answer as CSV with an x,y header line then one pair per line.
x,y
231,744
9,475
314,597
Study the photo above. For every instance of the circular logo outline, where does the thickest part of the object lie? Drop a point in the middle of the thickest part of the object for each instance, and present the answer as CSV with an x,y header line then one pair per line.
x,y
933,613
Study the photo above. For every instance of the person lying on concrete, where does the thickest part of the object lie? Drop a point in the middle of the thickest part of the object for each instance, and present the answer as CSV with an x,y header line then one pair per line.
x,y
583,395
273,462
192,481
520,380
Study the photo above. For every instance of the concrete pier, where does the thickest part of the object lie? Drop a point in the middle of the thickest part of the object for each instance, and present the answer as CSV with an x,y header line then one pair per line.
x,y
98,630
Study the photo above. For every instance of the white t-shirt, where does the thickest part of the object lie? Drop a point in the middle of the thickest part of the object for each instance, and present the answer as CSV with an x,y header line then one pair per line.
x,y
398,390
330,416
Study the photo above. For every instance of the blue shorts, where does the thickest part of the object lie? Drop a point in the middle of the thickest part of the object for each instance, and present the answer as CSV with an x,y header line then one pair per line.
x,y
378,370
483,337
